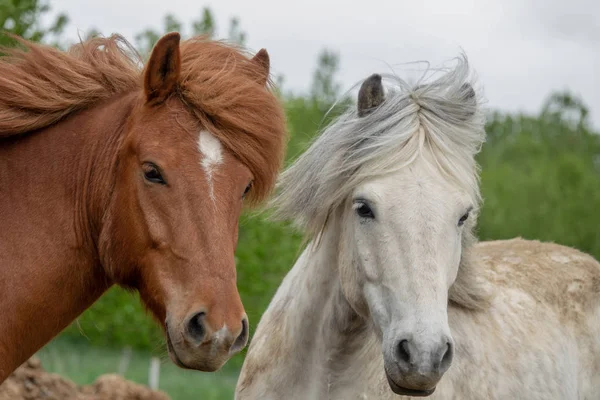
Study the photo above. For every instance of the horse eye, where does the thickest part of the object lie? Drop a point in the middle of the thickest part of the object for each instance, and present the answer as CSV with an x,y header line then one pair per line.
x,y
364,211
152,173
462,219
247,190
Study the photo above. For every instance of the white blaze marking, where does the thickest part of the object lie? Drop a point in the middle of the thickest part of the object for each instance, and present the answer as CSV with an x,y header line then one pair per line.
x,y
212,155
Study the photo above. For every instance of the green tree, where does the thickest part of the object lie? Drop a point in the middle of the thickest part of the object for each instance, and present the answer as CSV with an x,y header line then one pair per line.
x,y
204,25
325,89
23,18
172,24
565,106
236,35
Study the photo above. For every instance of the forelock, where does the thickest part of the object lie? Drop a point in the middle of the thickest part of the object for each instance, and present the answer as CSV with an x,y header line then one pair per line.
x,y
442,117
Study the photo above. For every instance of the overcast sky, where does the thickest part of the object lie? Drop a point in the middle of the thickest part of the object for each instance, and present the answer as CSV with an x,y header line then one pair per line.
x,y
521,50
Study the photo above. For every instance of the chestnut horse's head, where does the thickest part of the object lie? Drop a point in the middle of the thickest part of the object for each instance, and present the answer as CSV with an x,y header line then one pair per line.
x,y
204,134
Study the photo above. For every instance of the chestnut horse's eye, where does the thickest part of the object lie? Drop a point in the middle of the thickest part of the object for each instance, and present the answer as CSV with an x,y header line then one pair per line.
x,y
152,173
247,190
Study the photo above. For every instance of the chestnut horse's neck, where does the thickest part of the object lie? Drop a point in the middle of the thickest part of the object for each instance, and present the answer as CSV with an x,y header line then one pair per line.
x,y
54,187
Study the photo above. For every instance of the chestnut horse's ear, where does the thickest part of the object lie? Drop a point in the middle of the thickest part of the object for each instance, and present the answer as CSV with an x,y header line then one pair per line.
x,y
370,95
262,59
163,68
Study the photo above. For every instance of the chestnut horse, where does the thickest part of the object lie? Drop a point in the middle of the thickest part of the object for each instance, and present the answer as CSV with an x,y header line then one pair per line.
x,y
110,174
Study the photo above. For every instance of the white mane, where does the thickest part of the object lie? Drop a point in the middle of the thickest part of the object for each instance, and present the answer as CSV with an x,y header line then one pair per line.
x,y
439,120
433,117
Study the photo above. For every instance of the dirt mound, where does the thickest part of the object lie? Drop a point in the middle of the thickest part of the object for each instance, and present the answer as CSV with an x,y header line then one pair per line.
x,y
31,382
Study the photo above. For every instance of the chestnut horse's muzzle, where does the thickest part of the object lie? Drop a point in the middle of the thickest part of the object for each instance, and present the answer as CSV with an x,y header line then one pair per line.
x,y
194,344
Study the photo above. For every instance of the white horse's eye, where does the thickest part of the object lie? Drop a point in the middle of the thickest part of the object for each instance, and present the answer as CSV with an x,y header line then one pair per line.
x,y
462,219
363,210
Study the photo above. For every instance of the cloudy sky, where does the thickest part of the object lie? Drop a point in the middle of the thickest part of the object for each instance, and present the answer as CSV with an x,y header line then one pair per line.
x,y
521,50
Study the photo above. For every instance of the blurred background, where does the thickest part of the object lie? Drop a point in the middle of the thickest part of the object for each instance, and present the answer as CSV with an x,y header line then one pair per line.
x,y
538,62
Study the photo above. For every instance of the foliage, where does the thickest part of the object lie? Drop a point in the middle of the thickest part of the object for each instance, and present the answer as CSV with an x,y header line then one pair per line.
x,y
204,25
117,319
23,18
236,35
540,179
325,89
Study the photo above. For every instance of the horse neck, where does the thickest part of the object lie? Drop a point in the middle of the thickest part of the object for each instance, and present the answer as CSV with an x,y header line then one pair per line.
x,y
55,184
300,338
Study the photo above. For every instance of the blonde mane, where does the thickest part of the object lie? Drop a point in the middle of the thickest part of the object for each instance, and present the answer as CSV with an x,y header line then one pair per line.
x,y
41,86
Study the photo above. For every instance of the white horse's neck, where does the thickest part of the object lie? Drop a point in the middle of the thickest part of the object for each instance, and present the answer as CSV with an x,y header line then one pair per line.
x,y
309,324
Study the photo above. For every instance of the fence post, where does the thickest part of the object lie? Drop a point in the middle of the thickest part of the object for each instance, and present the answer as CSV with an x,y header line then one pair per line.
x,y
124,363
153,375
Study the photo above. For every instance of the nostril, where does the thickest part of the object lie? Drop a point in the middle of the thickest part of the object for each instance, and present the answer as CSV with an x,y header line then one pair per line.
x,y
196,327
447,357
242,338
403,352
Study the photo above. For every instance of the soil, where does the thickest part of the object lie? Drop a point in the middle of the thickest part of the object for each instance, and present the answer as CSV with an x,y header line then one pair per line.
x,y
31,382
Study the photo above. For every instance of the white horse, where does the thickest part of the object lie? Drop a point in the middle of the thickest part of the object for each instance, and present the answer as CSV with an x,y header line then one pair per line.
x,y
393,296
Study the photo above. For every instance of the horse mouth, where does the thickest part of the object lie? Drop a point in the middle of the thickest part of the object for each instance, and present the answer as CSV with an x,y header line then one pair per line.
x,y
408,392
172,351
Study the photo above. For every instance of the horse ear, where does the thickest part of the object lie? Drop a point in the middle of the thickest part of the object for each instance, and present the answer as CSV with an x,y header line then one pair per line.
x,y
163,68
370,95
262,60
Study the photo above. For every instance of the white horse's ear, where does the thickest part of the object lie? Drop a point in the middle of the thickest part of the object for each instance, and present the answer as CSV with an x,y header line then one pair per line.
x,y
370,95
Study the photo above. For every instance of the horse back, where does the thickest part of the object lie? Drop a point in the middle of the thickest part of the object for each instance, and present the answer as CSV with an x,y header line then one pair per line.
x,y
556,275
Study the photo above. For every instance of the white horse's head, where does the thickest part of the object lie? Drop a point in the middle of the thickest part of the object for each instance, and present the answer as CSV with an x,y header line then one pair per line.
x,y
399,177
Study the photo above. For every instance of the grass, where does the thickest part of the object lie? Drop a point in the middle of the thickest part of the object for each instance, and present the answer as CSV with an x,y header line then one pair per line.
x,y
83,364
